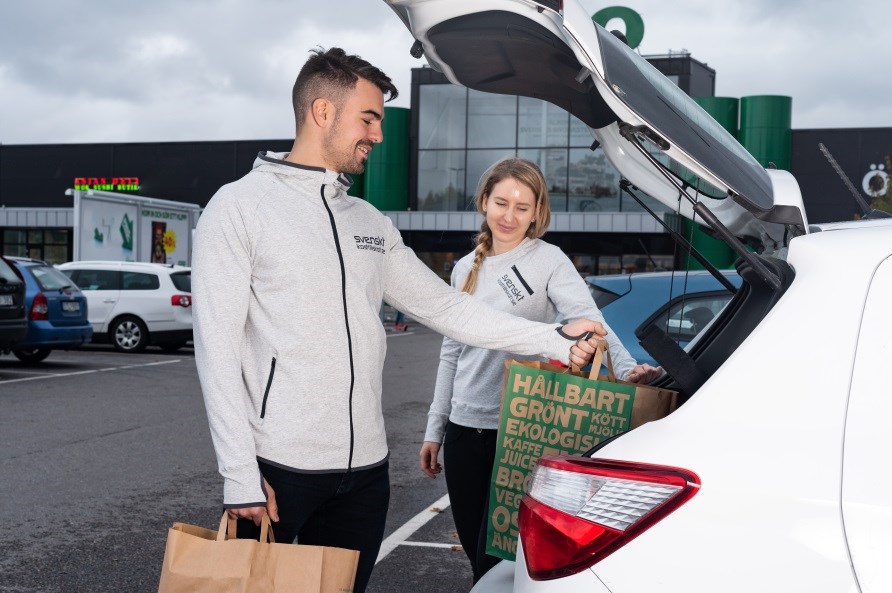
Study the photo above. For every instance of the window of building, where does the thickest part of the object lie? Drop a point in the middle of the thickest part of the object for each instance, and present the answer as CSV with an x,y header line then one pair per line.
x,y
478,163
442,116
553,164
492,120
441,180
580,134
593,183
541,124
52,245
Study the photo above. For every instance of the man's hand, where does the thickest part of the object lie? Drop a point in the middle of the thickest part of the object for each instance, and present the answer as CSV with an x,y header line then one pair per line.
x,y
427,458
256,513
582,351
644,373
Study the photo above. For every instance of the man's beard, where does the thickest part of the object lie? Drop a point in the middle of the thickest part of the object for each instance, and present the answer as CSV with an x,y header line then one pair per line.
x,y
344,160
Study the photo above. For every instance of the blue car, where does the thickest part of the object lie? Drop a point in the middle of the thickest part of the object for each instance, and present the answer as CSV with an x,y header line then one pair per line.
x,y
680,303
56,308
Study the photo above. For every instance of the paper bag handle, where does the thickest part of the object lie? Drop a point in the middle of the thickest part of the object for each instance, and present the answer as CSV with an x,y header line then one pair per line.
x,y
227,528
598,359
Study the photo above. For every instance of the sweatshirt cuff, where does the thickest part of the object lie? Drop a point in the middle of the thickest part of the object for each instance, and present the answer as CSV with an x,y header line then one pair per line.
x,y
560,344
244,490
436,429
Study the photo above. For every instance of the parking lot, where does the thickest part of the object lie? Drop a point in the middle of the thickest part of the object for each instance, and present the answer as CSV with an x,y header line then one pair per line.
x,y
102,451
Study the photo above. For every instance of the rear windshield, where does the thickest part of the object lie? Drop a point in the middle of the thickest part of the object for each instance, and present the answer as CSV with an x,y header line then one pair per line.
x,y
182,280
684,123
49,278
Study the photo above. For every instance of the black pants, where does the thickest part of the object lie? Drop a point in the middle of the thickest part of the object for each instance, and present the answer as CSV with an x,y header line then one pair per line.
x,y
468,457
345,510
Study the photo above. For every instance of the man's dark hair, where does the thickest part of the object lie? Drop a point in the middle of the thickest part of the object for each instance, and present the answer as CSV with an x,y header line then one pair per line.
x,y
331,75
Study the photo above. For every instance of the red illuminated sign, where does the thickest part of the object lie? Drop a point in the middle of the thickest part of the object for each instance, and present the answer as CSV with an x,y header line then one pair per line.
x,y
107,183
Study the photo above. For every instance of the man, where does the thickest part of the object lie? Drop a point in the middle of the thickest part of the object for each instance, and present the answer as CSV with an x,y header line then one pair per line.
x,y
288,276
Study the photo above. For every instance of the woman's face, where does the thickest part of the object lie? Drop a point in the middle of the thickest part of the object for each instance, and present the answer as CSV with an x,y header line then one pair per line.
x,y
510,208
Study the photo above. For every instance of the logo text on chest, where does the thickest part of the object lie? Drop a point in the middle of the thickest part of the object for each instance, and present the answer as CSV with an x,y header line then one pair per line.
x,y
370,243
513,293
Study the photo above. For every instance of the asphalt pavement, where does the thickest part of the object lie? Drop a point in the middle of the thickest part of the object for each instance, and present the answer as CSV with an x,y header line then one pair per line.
x,y
100,452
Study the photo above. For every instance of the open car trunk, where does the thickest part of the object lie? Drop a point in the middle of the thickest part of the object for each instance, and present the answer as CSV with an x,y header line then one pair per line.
x,y
658,138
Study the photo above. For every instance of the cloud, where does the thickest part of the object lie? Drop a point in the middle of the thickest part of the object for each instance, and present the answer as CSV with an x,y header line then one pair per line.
x,y
104,71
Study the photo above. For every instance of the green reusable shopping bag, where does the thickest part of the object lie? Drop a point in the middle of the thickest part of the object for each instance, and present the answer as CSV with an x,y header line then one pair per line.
x,y
550,410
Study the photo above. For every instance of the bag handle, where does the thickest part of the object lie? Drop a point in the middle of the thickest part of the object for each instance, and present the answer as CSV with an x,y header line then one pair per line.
x,y
227,528
598,359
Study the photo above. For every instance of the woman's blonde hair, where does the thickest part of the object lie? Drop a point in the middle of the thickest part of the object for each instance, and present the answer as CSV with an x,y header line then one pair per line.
x,y
525,172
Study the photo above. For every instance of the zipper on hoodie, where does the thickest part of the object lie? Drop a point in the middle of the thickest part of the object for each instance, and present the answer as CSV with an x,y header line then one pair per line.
x,y
269,383
334,230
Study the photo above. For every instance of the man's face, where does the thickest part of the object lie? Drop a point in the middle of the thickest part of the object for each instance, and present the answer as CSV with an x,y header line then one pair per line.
x,y
356,128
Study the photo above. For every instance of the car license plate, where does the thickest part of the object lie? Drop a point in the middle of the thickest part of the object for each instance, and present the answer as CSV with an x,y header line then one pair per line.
x,y
71,306
5,299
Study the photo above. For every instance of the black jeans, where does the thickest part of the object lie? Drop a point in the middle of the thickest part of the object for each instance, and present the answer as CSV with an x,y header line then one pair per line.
x,y
468,457
344,510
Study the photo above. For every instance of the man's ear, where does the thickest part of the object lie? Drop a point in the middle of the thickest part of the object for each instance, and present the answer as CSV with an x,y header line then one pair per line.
x,y
322,112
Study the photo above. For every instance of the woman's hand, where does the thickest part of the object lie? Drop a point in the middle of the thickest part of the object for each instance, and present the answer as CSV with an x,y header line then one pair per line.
x,y
427,459
644,373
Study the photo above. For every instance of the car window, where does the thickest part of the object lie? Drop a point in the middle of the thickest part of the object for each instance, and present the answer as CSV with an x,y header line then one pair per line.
x,y
7,273
685,317
139,281
49,278
182,281
602,296
97,279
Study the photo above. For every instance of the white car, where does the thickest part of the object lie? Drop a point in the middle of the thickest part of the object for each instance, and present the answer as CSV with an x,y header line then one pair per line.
x,y
772,474
133,304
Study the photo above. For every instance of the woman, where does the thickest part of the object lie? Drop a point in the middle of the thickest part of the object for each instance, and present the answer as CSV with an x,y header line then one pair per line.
x,y
511,269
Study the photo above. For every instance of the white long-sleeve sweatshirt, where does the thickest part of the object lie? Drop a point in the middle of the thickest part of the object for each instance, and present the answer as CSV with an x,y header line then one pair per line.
x,y
288,277
536,281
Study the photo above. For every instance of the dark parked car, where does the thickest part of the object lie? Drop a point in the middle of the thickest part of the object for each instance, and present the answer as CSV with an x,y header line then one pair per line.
x,y
13,323
680,303
57,311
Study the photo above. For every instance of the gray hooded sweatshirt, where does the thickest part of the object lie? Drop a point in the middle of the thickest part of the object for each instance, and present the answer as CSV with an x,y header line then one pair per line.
x,y
288,278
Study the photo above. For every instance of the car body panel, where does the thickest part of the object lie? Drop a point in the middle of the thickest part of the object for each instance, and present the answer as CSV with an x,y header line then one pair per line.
x,y
867,486
61,329
768,447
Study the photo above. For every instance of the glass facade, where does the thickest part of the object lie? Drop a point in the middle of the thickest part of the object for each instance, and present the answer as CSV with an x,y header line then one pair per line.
x,y
462,132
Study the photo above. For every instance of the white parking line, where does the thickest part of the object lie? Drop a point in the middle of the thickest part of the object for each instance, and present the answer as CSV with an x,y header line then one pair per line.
x,y
428,545
411,526
397,335
129,366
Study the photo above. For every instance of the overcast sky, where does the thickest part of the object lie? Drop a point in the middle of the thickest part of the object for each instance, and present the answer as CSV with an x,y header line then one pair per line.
x,y
76,71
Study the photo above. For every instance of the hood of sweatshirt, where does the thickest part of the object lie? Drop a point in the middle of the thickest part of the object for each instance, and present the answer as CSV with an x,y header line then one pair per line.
x,y
275,162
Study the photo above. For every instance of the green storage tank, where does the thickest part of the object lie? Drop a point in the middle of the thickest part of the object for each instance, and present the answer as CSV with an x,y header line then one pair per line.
x,y
386,178
765,128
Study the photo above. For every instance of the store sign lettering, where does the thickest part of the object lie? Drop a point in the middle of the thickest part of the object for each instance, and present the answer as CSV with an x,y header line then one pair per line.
x,y
107,183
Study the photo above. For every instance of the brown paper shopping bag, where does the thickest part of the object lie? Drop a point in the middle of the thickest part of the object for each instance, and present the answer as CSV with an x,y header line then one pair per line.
x,y
551,410
199,560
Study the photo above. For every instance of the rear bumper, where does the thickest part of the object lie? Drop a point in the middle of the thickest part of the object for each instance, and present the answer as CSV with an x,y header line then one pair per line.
x,y
42,334
12,331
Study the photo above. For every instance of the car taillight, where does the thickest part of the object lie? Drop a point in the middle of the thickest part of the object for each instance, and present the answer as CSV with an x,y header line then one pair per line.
x,y
39,307
578,510
181,300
